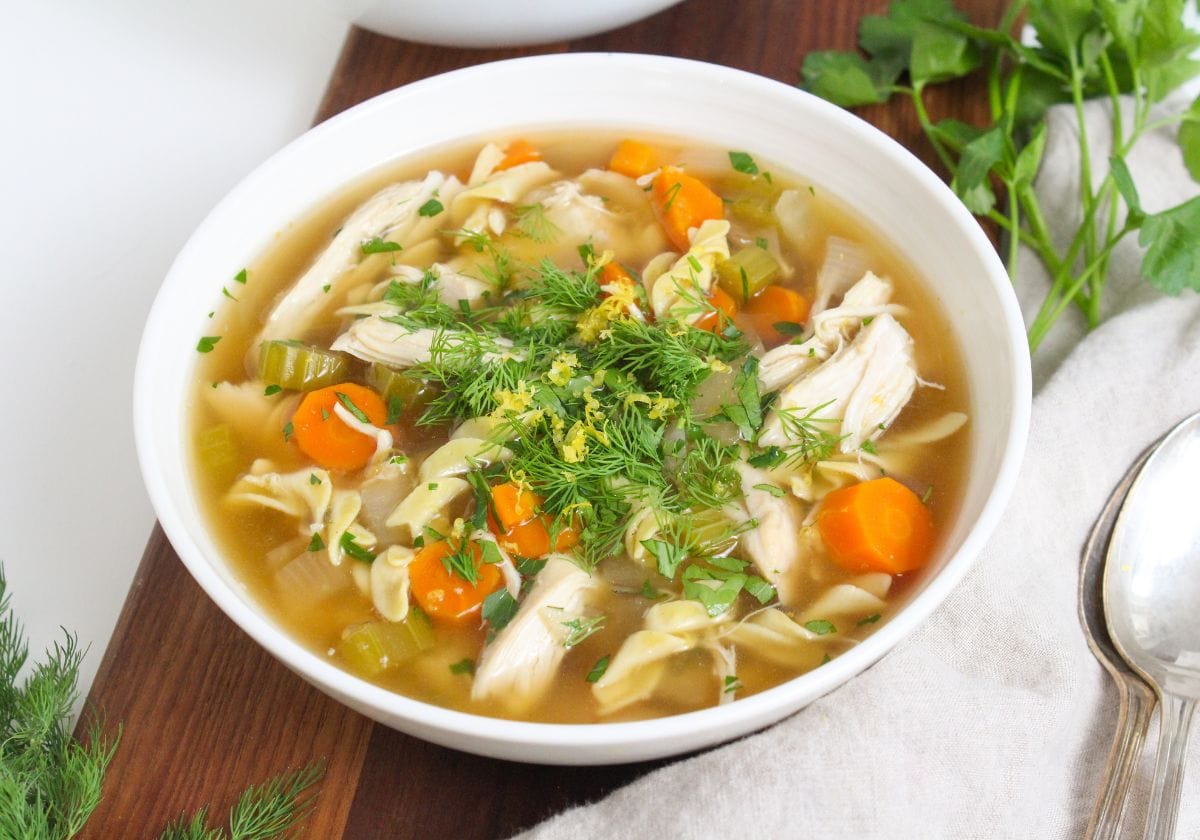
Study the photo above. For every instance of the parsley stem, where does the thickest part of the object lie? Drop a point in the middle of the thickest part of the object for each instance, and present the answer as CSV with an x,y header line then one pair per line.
x,y
918,99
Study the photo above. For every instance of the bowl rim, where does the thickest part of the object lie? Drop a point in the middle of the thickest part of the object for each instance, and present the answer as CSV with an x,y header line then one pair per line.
x,y
495,734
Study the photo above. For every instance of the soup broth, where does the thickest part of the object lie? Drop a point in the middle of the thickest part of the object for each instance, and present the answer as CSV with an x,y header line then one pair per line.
x,y
579,429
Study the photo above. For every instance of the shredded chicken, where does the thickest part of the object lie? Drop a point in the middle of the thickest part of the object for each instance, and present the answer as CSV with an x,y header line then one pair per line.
x,y
856,393
373,339
518,666
390,213
774,545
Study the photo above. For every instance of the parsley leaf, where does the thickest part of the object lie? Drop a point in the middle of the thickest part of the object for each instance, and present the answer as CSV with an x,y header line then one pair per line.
x,y
820,626
598,669
430,208
742,162
379,245
499,609
463,666
353,549
207,343
1172,261
316,543
359,414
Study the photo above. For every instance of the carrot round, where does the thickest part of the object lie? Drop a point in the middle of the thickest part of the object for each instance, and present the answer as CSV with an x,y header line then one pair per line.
x,y
323,437
520,527
876,526
682,202
725,309
634,158
773,305
518,152
444,594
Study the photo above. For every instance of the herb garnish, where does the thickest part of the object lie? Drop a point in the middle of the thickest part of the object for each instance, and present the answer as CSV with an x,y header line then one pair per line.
x,y
463,666
598,669
1139,50
353,549
820,626
742,162
359,414
379,245
430,208
582,628
207,343
499,609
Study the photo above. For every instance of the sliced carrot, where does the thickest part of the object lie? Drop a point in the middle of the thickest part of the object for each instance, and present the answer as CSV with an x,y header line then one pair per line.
x,y
725,309
634,158
773,305
682,202
514,504
324,437
518,152
520,526
442,593
876,526
614,274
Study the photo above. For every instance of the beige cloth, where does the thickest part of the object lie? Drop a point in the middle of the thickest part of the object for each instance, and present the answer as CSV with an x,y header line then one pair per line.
x,y
992,720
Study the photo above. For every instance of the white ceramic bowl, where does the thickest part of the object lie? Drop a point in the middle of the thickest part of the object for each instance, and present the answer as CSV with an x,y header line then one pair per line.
x,y
843,155
493,23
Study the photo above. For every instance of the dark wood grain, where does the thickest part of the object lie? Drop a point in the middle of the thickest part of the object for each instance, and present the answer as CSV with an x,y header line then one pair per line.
x,y
206,712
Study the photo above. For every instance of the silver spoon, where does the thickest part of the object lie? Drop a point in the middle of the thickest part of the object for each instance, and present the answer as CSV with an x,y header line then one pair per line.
x,y
1136,699
1151,598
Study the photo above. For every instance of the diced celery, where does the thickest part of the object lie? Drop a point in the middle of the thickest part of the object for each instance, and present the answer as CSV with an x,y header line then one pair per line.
x,y
371,648
299,367
413,394
218,450
753,211
747,272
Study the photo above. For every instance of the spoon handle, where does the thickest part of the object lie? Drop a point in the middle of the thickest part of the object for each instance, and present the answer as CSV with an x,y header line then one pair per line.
x,y
1137,702
1168,773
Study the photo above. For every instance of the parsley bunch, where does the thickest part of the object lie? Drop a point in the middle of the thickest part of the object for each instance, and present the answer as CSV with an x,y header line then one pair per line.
x,y
1138,49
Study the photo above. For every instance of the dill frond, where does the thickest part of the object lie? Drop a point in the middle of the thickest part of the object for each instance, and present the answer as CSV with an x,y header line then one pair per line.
x,y
49,782
531,221
263,812
814,440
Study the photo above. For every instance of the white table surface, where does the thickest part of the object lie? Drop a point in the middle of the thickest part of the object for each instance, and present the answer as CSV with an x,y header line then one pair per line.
x,y
123,123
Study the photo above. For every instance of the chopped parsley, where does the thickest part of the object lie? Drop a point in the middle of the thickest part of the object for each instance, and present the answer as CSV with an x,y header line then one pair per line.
x,y
352,549
207,343
287,431
430,208
820,626
379,245
871,619
742,162
395,410
777,492
316,543
732,684
499,609
598,669
359,414
463,666
313,478
271,390
241,276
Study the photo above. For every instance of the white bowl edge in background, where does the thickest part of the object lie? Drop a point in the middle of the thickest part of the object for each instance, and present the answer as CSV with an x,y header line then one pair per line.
x,y
488,23
862,167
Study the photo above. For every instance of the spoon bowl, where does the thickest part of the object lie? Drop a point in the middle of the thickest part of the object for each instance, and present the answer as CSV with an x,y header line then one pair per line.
x,y
1151,593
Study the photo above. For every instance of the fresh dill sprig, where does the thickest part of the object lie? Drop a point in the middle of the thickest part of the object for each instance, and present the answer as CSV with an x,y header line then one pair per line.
x,y
563,291
263,812
705,476
49,782
531,221
814,440
469,365
420,304
667,357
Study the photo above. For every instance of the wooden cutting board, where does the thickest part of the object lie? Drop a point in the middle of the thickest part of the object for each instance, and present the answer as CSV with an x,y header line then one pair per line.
x,y
205,712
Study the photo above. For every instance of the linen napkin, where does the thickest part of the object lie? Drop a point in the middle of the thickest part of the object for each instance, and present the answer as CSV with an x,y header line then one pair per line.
x,y
993,720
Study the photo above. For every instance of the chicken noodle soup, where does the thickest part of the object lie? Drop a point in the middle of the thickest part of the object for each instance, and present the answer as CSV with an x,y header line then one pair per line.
x,y
579,430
